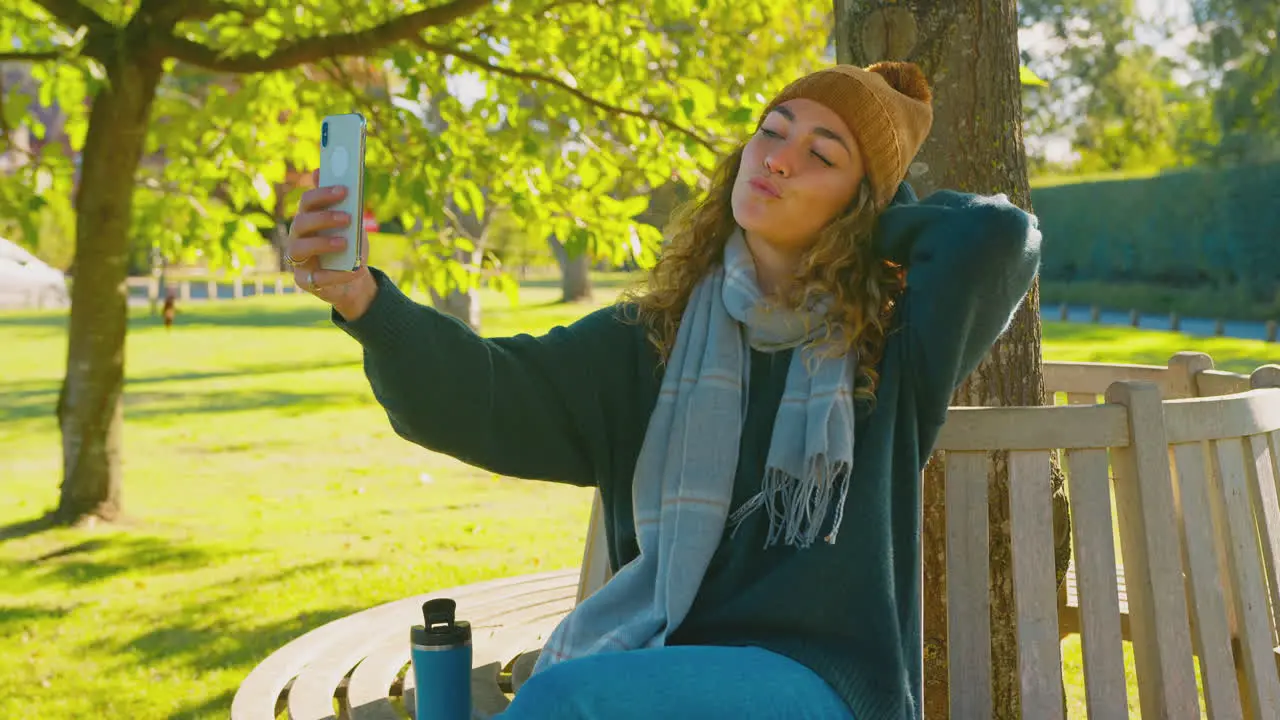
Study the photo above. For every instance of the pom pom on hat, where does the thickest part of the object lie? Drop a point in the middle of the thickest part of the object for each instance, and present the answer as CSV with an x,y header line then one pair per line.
x,y
906,78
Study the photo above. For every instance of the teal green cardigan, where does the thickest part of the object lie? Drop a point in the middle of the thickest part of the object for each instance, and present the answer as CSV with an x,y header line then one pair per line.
x,y
572,406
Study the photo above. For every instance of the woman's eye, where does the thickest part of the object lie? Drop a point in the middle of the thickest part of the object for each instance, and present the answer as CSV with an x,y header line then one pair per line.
x,y
769,133
825,161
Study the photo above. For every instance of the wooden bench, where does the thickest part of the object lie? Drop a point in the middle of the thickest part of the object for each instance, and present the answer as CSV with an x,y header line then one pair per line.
x,y
357,663
1199,539
1188,375
1180,597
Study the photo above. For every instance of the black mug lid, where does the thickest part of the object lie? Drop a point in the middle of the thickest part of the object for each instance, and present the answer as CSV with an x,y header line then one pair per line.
x,y
440,627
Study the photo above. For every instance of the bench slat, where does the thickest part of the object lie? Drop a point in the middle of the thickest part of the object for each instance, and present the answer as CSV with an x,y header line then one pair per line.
x,y
1219,418
1074,398
311,696
1035,596
1033,428
595,556
258,693
1218,382
1153,568
491,616
496,626
1266,507
529,631
1211,632
1089,491
257,696
1275,466
968,599
1087,377
1245,565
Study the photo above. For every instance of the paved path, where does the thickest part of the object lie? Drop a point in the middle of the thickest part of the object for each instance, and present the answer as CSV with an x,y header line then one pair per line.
x,y
1203,327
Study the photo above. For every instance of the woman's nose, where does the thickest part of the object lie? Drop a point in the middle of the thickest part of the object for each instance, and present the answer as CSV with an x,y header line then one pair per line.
x,y
781,160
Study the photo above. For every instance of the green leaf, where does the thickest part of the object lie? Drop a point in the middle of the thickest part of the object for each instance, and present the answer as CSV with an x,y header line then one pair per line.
x,y
1030,79
634,205
703,97
220,148
588,173
260,220
475,200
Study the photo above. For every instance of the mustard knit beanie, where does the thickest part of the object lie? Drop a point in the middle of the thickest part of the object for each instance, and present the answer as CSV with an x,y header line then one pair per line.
x,y
887,109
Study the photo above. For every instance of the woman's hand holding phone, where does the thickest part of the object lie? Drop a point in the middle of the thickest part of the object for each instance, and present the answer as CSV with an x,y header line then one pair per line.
x,y
350,292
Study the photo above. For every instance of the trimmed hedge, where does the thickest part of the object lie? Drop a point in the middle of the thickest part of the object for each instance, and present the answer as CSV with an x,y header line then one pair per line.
x,y
1192,229
1205,302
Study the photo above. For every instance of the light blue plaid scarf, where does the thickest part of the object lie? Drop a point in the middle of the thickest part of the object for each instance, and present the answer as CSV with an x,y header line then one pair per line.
x,y
684,475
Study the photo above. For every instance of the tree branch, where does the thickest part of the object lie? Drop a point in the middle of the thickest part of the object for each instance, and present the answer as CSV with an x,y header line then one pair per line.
x,y
38,56
537,15
73,14
529,76
313,49
171,12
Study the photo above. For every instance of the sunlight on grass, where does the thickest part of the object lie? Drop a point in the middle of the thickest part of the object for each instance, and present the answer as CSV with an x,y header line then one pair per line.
x,y
1095,343
268,495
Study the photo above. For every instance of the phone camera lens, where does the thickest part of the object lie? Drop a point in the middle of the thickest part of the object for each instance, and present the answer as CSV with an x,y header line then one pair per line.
x,y
324,135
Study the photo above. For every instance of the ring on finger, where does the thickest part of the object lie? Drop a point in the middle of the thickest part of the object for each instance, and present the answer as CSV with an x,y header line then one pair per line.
x,y
292,260
311,281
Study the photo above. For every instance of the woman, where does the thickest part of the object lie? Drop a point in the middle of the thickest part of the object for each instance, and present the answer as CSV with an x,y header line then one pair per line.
x,y
756,418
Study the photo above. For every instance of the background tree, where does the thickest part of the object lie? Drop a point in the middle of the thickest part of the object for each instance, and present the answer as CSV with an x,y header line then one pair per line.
x,y
1115,98
230,142
969,50
1241,49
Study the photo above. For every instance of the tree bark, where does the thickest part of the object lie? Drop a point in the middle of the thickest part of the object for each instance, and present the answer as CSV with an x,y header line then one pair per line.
x,y
968,49
462,304
575,272
90,405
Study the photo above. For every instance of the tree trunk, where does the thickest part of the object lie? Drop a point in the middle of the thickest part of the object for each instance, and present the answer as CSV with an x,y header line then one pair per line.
x,y
968,49
462,304
575,272
90,405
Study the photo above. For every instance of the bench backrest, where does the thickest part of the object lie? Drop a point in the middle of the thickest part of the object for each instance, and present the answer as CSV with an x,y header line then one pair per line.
x,y
1219,523
1117,445
1187,374
1224,454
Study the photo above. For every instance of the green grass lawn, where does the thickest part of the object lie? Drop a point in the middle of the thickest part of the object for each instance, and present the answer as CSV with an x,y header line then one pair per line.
x,y
266,495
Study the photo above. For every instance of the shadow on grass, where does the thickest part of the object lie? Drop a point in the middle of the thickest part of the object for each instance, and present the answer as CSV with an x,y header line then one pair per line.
x,y
26,528
265,313
153,405
103,558
36,398
216,706
48,320
232,313
199,639
13,618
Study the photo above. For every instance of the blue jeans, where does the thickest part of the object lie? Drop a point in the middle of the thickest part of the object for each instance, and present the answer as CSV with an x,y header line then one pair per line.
x,y
676,682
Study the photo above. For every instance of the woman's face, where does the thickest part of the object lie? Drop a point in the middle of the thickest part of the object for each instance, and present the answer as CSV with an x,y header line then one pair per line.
x,y
799,171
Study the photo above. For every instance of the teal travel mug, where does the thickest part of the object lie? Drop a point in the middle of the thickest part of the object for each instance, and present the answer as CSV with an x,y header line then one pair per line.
x,y
440,651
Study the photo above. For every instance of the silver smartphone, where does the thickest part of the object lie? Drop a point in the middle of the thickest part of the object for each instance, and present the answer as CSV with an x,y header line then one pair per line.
x,y
342,163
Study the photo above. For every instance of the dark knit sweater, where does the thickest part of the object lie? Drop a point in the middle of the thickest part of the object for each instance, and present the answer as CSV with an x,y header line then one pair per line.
x,y
572,406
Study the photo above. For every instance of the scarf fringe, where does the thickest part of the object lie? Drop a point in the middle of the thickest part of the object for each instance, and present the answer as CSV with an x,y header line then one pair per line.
x,y
797,507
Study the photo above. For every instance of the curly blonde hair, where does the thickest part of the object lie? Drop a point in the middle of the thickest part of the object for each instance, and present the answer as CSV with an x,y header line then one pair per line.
x,y
841,265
